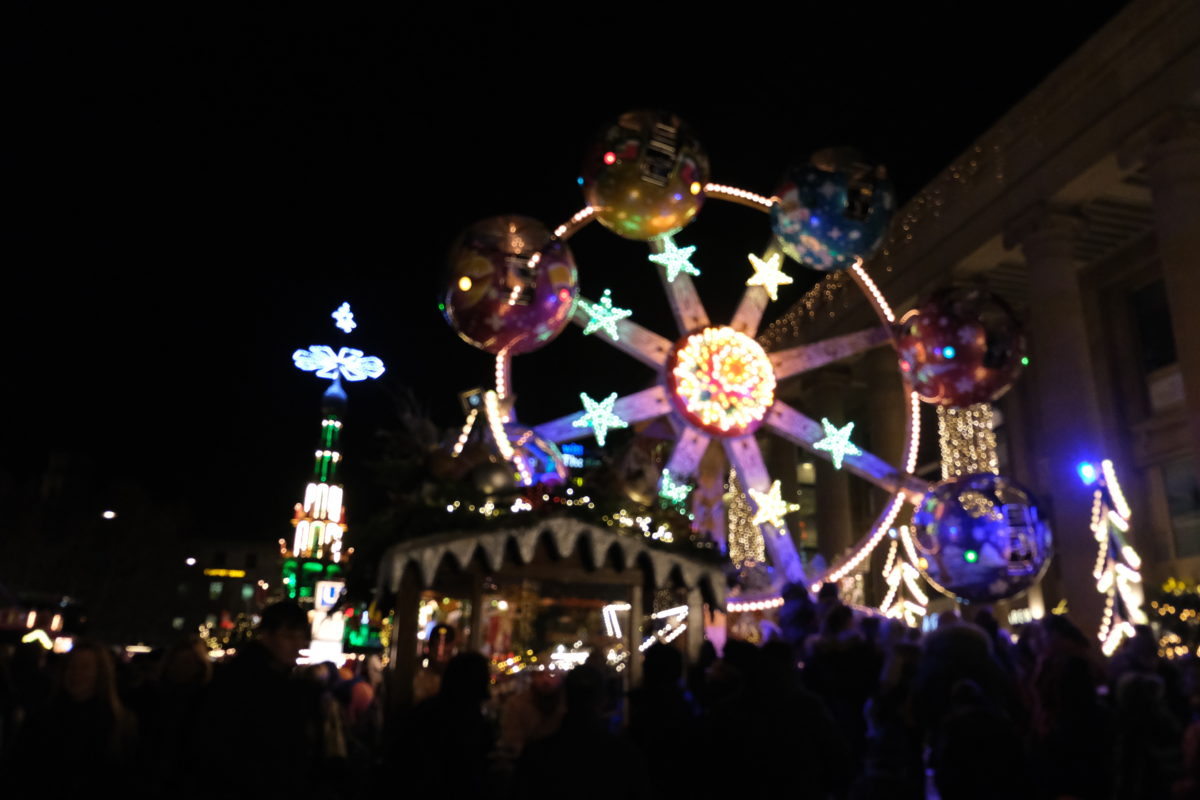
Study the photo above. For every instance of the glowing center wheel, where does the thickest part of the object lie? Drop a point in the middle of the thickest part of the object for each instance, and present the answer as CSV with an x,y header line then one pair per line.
x,y
721,381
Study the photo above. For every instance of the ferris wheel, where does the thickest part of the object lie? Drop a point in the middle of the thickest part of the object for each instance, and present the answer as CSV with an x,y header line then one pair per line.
x,y
514,288
719,385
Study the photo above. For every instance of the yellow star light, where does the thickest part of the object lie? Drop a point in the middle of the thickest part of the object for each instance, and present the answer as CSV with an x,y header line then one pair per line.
x,y
768,274
771,506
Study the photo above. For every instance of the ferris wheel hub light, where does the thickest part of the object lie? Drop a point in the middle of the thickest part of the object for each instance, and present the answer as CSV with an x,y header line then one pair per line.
x,y
721,381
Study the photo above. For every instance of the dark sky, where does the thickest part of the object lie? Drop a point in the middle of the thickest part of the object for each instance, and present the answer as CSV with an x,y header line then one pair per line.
x,y
191,198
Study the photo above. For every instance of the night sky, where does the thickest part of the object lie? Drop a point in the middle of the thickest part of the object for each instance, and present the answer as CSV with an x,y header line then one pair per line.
x,y
191,198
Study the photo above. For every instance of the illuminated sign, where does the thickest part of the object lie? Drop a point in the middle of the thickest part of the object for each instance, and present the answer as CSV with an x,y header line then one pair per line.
x,y
38,636
327,594
225,573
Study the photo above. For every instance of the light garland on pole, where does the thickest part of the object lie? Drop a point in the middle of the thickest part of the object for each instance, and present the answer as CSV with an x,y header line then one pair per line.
x,y
745,539
967,441
899,570
1117,563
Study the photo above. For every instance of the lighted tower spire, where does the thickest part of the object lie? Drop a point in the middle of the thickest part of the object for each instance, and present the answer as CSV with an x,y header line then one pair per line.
x,y
320,519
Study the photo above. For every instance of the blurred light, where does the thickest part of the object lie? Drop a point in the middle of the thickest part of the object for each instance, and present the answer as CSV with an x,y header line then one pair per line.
x,y
38,636
1024,361
579,180
610,157
970,556
109,515
948,352
191,562
225,573
695,187
464,283
1087,472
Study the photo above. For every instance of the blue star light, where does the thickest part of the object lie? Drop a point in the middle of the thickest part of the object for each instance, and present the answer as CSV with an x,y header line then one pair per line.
x,y
604,315
344,318
599,416
347,363
676,260
837,442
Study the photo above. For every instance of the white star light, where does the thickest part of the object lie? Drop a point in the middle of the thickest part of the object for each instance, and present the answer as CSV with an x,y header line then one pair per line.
x,y
599,417
343,318
347,363
604,316
771,506
837,442
676,260
768,274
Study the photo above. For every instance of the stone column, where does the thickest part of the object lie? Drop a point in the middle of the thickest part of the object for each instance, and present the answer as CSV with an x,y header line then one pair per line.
x,y
1172,156
826,394
1066,408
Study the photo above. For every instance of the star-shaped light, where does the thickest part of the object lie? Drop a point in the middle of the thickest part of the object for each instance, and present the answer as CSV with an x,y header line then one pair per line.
x,y
344,318
674,493
771,506
604,316
599,417
837,442
676,260
347,363
768,274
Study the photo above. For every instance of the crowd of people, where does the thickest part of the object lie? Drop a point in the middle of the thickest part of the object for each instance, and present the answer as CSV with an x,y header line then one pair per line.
x,y
833,705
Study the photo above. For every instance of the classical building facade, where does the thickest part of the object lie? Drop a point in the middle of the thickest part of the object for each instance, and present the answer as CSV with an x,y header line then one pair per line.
x,y
1081,207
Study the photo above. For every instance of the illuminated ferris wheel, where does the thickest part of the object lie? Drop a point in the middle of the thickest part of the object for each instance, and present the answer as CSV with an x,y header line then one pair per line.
x,y
514,287
719,385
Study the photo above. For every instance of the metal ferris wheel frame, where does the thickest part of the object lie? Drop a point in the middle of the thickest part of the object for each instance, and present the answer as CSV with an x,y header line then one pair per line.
x,y
742,449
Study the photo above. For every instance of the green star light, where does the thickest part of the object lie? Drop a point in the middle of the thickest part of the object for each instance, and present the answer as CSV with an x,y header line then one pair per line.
x,y
837,442
599,416
604,316
674,493
675,259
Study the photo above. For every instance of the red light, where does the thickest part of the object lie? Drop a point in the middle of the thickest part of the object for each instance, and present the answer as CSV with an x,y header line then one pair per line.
x,y
610,157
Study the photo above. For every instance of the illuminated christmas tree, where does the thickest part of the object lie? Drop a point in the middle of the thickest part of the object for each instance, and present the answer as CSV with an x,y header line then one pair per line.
x,y
316,560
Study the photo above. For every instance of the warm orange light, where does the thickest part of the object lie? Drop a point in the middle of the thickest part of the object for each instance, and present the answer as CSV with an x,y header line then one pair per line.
x,y
723,381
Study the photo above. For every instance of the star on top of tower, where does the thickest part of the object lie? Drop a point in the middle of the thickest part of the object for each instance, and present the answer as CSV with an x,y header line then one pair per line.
x,y
344,318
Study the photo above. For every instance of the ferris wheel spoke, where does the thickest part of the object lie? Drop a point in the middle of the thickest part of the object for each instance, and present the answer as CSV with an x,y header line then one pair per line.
x,y
796,360
806,432
638,407
642,343
685,302
689,449
675,271
746,457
